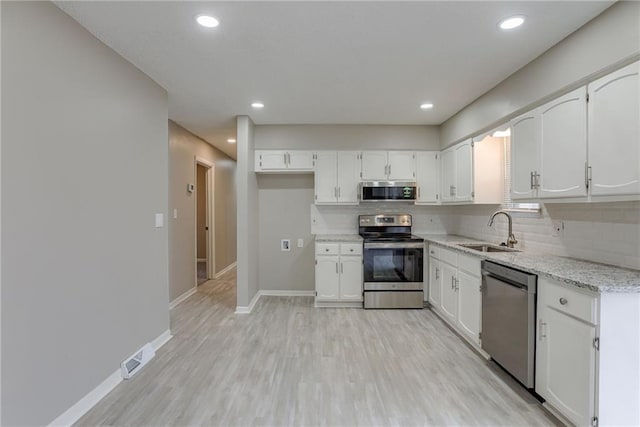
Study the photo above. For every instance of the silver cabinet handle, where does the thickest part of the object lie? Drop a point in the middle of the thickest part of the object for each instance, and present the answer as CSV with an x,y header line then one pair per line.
x,y
587,175
541,330
563,301
418,192
389,170
457,282
531,179
537,180
452,282
338,192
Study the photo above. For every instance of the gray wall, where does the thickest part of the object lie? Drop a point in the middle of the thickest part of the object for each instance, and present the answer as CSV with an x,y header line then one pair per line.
x,y
248,214
184,147
347,137
284,214
608,41
84,170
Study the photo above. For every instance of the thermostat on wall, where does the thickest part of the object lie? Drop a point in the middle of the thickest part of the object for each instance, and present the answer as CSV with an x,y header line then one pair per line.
x,y
191,188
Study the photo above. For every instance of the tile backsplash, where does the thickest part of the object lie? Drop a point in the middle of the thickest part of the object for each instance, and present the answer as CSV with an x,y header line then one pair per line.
x,y
602,232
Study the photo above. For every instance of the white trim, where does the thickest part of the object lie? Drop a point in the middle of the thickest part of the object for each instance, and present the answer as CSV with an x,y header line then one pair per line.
x,y
74,413
337,304
248,309
182,297
210,214
227,269
276,293
161,340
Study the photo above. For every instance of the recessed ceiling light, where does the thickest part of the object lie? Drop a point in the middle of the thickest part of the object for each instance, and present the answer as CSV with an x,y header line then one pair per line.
x,y
231,140
426,106
207,21
257,105
512,22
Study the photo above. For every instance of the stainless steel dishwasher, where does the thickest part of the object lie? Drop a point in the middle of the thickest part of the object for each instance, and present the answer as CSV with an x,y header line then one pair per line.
x,y
509,319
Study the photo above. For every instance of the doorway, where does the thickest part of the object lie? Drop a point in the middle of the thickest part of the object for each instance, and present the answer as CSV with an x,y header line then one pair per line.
x,y
204,241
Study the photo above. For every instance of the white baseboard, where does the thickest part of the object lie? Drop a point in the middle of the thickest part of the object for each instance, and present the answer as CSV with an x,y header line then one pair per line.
x,y
73,414
275,293
182,297
226,269
278,293
247,309
338,304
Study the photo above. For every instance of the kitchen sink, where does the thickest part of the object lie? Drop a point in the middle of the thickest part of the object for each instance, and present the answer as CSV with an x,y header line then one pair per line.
x,y
488,248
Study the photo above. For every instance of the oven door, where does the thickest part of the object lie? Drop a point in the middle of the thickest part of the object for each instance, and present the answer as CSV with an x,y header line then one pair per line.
x,y
393,266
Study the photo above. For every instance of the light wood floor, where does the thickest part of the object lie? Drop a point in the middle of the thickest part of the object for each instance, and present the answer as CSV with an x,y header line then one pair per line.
x,y
288,363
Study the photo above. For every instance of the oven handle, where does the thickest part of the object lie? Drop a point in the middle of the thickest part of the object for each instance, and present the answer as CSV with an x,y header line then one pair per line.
x,y
394,245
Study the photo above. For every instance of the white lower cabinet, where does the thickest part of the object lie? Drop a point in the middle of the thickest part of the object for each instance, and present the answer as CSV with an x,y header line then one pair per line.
x,y
338,272
588,354
454,291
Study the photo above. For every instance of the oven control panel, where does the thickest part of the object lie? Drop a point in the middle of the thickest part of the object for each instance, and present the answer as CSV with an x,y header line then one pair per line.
x,y
403,220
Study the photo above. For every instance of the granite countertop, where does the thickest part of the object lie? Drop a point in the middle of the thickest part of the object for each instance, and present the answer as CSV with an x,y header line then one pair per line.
x,y
583,274
336,238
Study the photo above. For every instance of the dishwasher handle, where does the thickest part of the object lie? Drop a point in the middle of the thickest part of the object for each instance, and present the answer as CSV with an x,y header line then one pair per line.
x,y
518,286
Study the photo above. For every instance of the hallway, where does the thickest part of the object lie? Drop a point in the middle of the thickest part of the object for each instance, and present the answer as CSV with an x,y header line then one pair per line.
x,y
288,363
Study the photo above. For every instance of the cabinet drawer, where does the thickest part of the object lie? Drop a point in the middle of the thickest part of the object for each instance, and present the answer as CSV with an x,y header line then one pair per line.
x,y
351,249
448,256
568,301
470,264
327,248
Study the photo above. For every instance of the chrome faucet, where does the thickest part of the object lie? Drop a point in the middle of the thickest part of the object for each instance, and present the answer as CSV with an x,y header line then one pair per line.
x,y
511,240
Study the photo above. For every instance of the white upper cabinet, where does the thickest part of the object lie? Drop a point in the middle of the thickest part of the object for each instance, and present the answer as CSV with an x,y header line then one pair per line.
x,y
337,175
326,177
428,177
614,133
283,161
402,166
348,177
388,165
525,142
472,172
563,149
463,187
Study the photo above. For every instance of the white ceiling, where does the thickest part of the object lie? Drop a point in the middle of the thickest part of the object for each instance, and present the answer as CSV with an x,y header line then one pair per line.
x,y
326,62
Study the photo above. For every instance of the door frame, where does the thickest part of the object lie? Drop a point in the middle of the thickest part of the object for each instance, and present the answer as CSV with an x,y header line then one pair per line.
x,y
210,216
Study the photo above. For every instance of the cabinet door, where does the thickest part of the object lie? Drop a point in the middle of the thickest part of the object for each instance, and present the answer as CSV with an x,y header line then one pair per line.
x,y
469,305
448,174
327,278
449,295
351,278
563,146
374,165
565,366
271,160
614,133
348,176
401,166
435,283
325,178
427,176
300,160
525,141
463,186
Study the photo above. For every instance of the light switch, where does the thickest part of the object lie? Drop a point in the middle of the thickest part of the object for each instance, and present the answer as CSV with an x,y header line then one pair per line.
x,y
159,220
300,243
175,213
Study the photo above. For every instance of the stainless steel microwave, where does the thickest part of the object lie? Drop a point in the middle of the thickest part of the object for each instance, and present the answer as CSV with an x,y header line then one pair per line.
x,y
388,191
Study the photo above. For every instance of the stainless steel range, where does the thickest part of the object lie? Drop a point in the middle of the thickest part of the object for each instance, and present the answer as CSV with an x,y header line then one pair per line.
x,y
393,262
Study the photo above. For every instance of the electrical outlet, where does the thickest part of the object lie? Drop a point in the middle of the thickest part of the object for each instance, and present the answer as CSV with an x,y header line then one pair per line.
x,y
285,245
558,229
